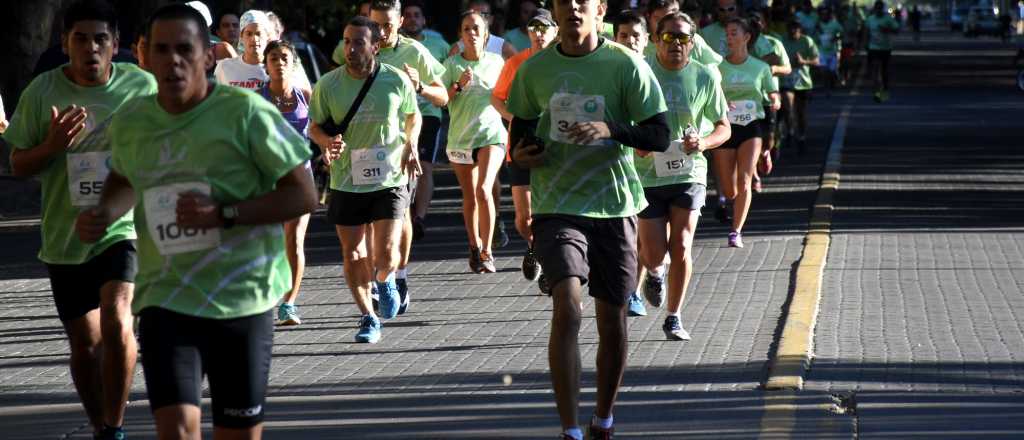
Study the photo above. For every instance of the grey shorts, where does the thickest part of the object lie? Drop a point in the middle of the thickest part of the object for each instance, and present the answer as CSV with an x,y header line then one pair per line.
x,y
600,252
355,209
683,195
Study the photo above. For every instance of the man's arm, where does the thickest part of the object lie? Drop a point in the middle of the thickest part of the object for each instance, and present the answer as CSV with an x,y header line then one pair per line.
x,y
64,126
117,198
294,195
651,134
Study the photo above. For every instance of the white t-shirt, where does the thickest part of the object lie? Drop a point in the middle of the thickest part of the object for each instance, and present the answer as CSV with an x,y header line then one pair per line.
x,y
238,73
494,45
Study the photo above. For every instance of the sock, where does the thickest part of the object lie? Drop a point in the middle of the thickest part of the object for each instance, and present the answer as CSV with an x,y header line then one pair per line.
x,y
677,315
402,273
656,272
372,313
602,423
574,432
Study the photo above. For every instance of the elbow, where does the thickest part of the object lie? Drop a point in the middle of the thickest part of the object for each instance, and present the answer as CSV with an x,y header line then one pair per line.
x,y
661,140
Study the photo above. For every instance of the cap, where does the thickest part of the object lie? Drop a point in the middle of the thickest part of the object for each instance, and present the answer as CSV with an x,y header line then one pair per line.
x,y
254,16
205,11
544,17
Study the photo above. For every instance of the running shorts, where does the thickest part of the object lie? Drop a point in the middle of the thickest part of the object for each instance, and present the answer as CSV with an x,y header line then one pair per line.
x,y
76,287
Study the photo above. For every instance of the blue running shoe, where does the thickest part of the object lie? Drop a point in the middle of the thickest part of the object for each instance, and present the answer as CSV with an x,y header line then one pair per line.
x,y
288,314
403,294
369,330
636,305
111,433
389,298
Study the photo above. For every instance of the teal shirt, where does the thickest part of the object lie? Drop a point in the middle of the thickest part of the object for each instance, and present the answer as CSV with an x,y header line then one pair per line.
x,y
800,78
518,39
880,30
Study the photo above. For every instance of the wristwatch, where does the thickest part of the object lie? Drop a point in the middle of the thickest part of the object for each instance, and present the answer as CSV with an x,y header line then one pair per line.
x,y
228,215
458,87
419,88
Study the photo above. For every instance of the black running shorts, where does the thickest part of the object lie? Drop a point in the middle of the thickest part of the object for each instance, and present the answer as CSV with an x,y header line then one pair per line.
x,y
76,287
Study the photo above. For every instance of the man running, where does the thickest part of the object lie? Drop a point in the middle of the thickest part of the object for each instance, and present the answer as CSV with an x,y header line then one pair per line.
x,y
701,53
58,133
211,172
797,85
675,182
580,96
830,44
880,26
371,162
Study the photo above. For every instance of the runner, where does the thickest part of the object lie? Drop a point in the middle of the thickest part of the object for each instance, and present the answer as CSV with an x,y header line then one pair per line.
x,y
211,172
542,30
519,37
747,83
853,25
880,27
57,133
675,182
413,25
769,49
494,44
585,192
293,103
797,85
714,33
807,18
475,142
701,53
410,57
830,39
371,163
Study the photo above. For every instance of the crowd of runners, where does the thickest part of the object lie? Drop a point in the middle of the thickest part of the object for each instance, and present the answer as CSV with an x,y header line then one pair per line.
x,y
178,188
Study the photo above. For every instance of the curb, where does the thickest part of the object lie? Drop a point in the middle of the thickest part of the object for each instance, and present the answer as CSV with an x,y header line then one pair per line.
x,y
796,344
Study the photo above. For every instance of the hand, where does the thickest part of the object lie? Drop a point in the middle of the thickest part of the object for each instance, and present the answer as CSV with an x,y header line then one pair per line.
x,y
197,210
91,224
414,76
585,133
411,161
333,149
776,103
527,156
466,78
694,144
65,126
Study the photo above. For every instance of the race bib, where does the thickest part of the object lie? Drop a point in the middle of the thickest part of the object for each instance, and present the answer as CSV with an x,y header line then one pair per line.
x,y
742,112
86,174
568,110
370,166
674,161
460,157
161,203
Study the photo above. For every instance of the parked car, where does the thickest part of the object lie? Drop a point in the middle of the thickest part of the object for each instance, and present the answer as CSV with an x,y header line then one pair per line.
x,y
957,17
981,21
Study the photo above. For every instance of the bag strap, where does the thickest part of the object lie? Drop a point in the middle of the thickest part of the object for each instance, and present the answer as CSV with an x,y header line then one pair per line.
x,y
333,130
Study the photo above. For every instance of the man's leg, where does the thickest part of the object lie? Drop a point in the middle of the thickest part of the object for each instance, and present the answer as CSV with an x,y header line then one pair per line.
x,y
564,351
356,264
295,243
119,349
85,338
611,354
386,254
521,203
684,223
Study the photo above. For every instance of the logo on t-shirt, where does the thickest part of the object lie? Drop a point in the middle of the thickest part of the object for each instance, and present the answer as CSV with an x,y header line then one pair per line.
x,y
251,83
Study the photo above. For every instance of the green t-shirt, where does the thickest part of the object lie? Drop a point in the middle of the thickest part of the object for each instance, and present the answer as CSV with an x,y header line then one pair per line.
x,y
851,25
800,77
877,38
609,84
746,87
436,45
701,52
694,97
518,39
714,35
413,53
808,22
89,155
474,122
830,39
375,140
767,44
234,146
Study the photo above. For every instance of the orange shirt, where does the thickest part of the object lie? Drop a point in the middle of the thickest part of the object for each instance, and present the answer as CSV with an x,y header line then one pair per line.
x,y
504,84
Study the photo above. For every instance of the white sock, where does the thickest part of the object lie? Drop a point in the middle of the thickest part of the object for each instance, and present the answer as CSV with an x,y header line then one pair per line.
x,y
677,315
602,423
402,273
574,432
656,272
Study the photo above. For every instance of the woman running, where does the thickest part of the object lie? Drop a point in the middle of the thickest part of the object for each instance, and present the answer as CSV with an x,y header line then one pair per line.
x,y
475,136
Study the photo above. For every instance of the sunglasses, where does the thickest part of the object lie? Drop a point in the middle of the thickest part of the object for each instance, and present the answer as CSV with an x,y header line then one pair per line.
x,y
539,28
729,9
672,37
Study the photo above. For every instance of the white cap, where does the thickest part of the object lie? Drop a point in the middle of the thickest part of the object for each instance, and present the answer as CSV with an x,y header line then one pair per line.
x,y
255,16
201,7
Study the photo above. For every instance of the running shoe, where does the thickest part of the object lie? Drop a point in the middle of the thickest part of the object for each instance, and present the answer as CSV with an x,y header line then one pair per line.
x,y
674,329
654,289
487,263
369,330
389,298
111,433
288,314
883,95
531,267
500,238
418,230
474,260
756,185
722,214
542,284
735,239
598,433
403,294
636,305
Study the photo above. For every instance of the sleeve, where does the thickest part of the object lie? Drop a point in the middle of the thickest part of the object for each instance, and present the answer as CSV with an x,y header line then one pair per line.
x,y
409,104
28,124
704,54
219,74
318,109
767,84
716,107
429,67
780,49
338,56
812,48
521,103
645,98
449,71
275,146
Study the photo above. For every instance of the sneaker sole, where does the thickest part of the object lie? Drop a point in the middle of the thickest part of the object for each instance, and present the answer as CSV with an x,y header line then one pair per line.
x,y
632,313
674,337
363,340
289,322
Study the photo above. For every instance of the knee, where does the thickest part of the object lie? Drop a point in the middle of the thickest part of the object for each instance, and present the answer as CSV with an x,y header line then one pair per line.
x,y
483,194
353,256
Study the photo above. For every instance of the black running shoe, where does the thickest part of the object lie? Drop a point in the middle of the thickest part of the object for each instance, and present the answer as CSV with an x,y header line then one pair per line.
x,y
531,267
